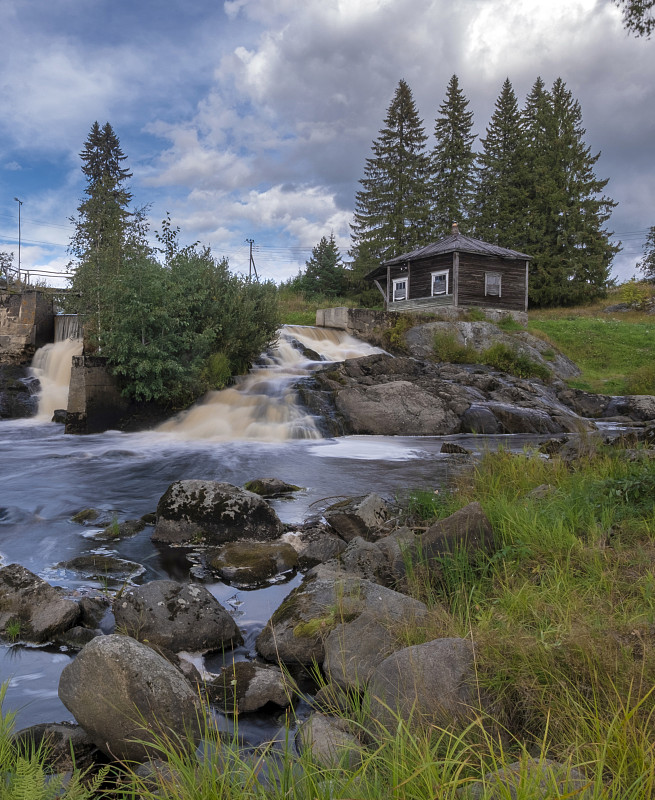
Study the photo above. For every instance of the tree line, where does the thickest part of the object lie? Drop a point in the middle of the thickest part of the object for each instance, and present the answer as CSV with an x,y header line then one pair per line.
x,y
172,321
530,187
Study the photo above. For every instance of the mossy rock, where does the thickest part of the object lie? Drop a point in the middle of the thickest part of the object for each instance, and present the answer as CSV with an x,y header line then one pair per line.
x,y
254,564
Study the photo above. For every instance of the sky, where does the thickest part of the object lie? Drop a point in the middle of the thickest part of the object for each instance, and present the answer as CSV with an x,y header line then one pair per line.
x,y
253,119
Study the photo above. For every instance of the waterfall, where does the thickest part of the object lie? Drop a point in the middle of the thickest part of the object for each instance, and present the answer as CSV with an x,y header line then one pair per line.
x,y
52,366
262,406
67,327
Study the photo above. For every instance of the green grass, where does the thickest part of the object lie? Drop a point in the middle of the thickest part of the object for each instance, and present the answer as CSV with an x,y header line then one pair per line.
x,y
616,353
296,309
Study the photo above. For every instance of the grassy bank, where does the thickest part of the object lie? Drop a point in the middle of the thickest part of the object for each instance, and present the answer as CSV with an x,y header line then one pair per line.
x,y
296,309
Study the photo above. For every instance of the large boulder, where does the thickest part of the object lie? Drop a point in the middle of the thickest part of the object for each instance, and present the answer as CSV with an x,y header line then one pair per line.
x,y
209,512
426,684
296,632
467,530
126,697
176,617
40,611
330,742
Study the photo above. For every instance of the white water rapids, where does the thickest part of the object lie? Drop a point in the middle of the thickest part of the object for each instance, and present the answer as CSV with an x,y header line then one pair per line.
x,y
261,406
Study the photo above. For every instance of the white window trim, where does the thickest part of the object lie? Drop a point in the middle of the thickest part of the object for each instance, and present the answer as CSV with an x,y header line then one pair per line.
x,y
433,275
394,281
499,275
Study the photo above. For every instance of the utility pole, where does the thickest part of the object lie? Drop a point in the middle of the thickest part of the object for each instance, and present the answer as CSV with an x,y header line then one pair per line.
x,y
20,203
251,265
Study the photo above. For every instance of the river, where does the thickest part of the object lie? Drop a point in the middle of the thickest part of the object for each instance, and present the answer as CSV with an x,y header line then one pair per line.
x,y
251,431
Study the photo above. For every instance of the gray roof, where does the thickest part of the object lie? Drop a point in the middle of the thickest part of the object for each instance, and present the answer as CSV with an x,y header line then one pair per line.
x,y
450,244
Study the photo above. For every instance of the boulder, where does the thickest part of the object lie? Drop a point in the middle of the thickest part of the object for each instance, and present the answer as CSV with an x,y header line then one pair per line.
x,y
330,742
244,687
426,684
41,610
125,696
452,448
176,616
357,516
270,487
315,544
366,560
354,649
467,530
538,779
296,632
637,406
103,567
249,565
209,512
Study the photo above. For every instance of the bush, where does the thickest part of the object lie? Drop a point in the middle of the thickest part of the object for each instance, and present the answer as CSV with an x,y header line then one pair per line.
x,y
504,358
636,293
447,348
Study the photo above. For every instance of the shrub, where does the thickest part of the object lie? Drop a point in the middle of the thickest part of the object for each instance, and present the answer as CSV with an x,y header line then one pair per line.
x,y
447,348
504,358
636,293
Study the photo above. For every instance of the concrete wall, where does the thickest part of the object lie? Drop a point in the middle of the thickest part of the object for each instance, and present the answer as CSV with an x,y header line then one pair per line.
x,y
26,323
94,402
361,322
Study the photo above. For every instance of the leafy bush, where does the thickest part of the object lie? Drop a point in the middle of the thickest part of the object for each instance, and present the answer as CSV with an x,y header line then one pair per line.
x,y
636,293
394,337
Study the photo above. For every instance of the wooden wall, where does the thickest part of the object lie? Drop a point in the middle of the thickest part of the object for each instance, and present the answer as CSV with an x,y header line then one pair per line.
x,y
471,281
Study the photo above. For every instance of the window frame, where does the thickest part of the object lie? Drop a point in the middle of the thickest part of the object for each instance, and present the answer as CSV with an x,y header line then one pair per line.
x,y
433,275
394,281
488,275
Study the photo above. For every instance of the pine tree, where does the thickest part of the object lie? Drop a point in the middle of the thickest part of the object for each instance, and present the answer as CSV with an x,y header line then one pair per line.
x,y
499,205
391,207
638,16
647,264
102,230
453,162
324,273
565,211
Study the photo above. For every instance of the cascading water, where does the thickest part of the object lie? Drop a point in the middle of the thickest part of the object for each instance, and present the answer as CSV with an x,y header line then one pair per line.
x,y
52,366
262,405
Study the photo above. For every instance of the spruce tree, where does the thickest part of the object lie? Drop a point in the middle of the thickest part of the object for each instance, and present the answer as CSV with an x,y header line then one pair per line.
x,y
391,207
452,162
565,211
324,273
498,214
102,230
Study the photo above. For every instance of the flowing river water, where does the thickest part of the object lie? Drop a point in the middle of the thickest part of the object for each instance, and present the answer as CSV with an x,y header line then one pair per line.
x,y
252,430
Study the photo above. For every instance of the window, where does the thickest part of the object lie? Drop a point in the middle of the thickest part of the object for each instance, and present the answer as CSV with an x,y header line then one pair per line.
x,y
492,283
399,289
440,283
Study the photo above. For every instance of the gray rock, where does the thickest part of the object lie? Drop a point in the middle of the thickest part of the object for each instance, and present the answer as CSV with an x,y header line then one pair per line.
x,y
330,742
354,649
315,544
519,419
42,610
125,695
454,448
427,684
467,530
195,511
176,616
296,632
539,779
479,419
77,636
249,565
67,746
357,516
103,567
244,687
93,610
365,560
636,406
389,409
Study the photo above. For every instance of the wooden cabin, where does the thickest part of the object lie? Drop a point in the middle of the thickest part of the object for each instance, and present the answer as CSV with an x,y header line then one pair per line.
x,y
456,271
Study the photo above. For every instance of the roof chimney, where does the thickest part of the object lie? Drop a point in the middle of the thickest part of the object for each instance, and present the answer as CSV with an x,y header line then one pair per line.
x,y
455,229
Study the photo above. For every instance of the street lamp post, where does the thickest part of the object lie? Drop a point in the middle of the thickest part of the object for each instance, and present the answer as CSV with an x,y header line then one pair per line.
x,y
20,203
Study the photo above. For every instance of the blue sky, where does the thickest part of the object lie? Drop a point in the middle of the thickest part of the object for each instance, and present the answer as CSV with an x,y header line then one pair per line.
x,y
253,118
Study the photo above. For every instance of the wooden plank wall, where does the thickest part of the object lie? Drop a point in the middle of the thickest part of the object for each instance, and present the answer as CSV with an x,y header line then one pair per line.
x,y
471,281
